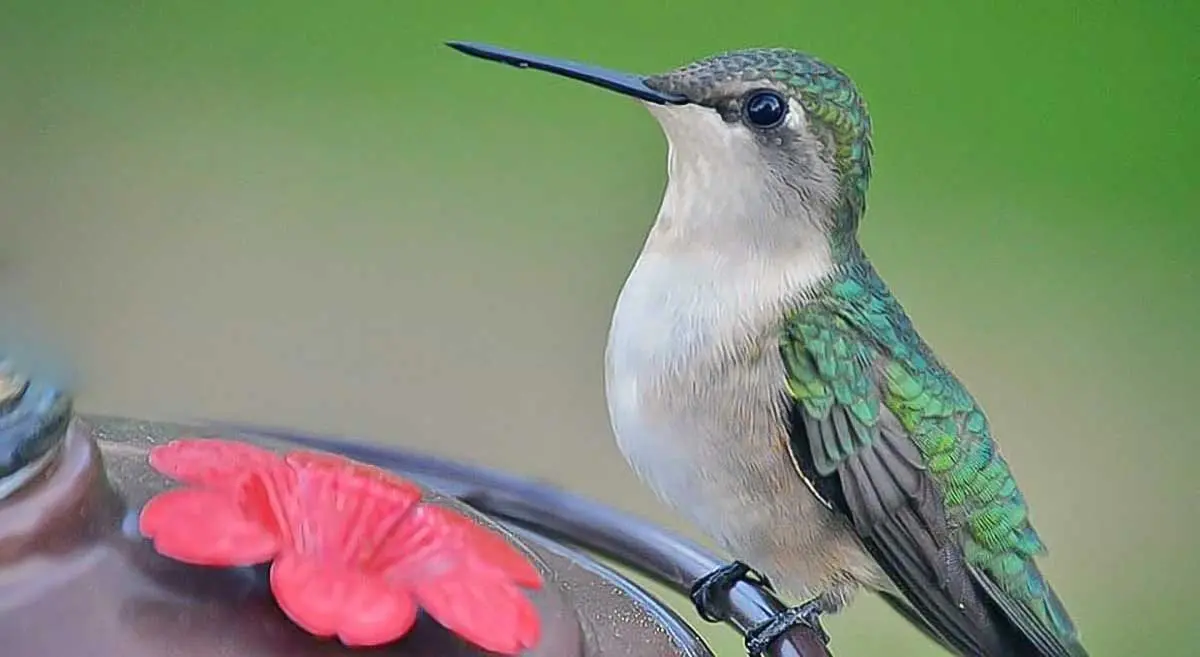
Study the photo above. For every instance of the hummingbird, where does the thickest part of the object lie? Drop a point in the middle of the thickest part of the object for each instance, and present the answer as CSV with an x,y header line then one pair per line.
x,y
764,382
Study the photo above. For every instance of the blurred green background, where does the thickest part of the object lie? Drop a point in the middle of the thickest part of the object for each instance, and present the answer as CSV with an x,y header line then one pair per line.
x,y
313,214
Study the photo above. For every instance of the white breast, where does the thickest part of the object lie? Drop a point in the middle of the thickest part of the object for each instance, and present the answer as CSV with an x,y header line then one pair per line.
x,y
693,381
667,319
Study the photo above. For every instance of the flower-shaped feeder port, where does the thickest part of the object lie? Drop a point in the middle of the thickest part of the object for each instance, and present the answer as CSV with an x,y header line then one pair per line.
x,y
354,551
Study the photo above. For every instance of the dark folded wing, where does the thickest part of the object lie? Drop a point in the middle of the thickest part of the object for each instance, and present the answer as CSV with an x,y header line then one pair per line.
x,y
857,455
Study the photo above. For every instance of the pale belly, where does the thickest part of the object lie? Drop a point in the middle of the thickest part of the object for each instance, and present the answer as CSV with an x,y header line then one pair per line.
x,y
700,424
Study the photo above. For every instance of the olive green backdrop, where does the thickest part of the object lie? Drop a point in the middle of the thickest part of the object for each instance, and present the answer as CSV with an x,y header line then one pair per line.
x,y
311,213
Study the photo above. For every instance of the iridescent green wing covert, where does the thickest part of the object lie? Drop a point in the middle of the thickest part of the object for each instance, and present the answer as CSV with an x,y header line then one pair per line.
x,y
888,437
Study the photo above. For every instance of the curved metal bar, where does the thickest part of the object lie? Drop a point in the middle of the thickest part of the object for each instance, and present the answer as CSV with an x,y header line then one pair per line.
x,y
667,618
627,539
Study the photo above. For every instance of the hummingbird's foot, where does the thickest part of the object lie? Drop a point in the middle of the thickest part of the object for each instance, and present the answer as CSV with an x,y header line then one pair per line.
x,y
760,637
710,593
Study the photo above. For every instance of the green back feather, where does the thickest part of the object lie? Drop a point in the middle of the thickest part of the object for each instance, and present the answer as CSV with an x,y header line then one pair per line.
x,y
855,351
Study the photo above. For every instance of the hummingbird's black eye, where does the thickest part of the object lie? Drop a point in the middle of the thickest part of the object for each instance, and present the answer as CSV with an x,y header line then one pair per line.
x,y
765,109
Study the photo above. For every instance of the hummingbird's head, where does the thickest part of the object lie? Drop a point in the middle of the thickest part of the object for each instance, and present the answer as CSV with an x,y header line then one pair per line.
x,y
765,143
782,117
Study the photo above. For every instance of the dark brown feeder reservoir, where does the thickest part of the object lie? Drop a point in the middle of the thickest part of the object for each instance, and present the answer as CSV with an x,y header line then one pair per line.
x,y
76,577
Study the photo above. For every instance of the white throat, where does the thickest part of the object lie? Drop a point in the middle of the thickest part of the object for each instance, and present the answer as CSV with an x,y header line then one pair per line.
x,y
722,195
729,253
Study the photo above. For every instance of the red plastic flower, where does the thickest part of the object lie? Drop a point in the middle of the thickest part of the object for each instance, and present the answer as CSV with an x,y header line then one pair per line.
x,y
355,553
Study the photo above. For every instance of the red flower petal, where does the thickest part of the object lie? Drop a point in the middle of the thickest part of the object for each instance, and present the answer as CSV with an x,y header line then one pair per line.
x,y
344,511
488,546
207,528
326,600
355,550
486,610
347,468
466,577
210,462
436,538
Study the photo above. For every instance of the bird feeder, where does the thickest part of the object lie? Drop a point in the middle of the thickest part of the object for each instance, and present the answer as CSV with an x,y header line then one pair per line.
x,y
122,537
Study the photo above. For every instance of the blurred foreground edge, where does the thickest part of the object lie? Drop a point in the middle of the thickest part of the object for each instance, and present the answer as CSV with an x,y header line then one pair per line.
x,y
76,577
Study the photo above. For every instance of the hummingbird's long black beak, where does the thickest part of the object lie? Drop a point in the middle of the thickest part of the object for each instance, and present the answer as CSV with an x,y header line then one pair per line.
x,y
623,83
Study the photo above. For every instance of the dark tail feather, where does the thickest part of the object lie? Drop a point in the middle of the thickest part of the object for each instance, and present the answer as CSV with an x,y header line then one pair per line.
x,y
1043,624
900,606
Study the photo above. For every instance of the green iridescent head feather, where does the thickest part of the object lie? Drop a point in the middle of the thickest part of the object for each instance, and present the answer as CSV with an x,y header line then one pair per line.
x,y
825,92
